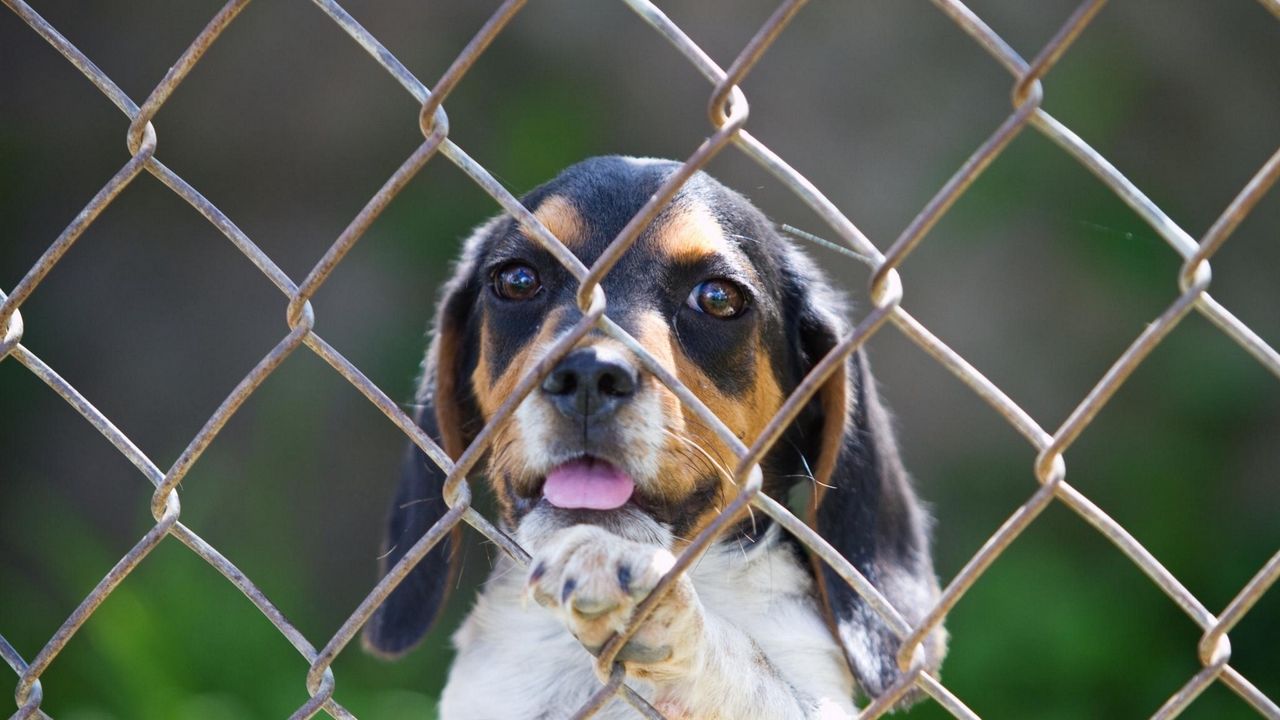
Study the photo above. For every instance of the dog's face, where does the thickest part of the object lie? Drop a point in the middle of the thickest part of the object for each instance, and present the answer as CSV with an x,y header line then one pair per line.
x,y
701,290
727,306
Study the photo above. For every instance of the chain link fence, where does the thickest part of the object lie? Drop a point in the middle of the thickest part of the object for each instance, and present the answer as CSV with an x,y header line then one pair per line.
x,y
728,113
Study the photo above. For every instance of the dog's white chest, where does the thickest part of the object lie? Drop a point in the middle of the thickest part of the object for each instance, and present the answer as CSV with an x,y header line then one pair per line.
x,y
517,660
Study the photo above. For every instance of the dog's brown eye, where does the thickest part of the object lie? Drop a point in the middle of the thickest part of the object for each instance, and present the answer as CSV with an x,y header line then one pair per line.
x,y
719,298
516,281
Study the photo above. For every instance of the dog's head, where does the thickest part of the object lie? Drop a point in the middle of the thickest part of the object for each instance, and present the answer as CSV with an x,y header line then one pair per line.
x,y
728,307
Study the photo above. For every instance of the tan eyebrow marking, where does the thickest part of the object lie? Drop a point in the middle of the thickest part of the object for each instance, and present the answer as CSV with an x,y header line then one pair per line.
x,y
690,234
559,216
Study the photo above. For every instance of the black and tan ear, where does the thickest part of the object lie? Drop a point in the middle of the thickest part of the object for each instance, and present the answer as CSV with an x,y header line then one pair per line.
x,y
865,507
446,414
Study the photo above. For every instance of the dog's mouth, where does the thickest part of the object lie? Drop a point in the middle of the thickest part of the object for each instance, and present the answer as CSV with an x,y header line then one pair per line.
x,y
588,483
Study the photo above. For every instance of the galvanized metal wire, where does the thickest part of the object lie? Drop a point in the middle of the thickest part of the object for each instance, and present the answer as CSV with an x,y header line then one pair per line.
x,y
728,112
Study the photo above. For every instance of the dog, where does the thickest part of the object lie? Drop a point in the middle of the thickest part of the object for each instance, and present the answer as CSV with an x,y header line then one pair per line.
x,y
604,476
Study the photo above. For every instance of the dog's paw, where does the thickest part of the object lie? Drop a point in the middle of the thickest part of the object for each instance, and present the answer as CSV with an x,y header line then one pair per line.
x,y
594,579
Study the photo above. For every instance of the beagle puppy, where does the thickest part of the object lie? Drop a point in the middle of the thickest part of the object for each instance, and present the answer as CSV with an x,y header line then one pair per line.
x,y
604,477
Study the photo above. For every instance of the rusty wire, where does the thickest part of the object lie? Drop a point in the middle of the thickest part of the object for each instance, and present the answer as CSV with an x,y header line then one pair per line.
x,y
728,112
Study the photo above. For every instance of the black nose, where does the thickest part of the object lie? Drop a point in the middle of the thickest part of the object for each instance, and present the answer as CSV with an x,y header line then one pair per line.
x,y
590,383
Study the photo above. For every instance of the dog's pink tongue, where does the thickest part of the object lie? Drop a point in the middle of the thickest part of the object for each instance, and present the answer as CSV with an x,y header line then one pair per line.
x,y
590,484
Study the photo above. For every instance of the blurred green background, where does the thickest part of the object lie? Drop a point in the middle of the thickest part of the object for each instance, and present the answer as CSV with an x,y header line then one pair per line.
x,y
1039,276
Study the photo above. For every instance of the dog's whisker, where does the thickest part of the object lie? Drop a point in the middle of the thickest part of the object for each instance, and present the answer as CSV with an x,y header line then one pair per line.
x,y
494,577
699,460
684,451
693,420
810,478
457,579
691,443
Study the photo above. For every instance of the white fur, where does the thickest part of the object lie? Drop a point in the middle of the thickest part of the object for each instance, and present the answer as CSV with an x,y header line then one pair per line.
x,y
763,650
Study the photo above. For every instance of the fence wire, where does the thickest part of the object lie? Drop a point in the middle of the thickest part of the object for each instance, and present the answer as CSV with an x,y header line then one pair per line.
x,y
728,113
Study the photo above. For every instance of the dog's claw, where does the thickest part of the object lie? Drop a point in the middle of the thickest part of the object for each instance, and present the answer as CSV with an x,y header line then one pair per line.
x,y
544,599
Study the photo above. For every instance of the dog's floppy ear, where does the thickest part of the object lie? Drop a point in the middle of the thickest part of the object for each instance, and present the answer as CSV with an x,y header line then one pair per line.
x,y
863,504
446,412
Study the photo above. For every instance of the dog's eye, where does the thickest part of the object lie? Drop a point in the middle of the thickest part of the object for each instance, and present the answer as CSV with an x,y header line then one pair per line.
x,y
516,281
719,298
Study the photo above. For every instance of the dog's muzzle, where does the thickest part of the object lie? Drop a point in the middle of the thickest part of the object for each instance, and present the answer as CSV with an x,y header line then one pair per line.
x,y
588,387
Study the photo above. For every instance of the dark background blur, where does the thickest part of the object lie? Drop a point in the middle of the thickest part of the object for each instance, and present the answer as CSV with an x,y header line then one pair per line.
x,y
1039,276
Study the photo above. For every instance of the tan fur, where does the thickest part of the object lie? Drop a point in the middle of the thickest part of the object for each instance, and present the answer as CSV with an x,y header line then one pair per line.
x,y
834,398
675,480
448,414
508,448
559,216
690,234
745,416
